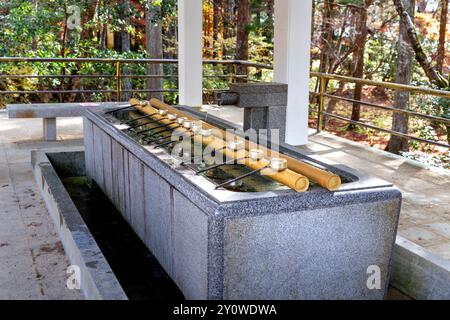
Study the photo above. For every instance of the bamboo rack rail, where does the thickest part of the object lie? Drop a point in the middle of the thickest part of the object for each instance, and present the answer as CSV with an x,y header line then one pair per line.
x,y
296,176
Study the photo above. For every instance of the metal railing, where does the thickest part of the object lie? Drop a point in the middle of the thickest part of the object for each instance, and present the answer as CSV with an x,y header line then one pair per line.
x,y
119,75
322,94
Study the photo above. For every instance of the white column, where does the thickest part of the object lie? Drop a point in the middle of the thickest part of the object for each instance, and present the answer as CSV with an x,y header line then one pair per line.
x,y
291,63
190,52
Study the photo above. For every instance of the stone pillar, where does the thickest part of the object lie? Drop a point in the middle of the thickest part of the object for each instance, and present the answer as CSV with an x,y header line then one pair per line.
x,y
190,65
264,105
291,63
49,129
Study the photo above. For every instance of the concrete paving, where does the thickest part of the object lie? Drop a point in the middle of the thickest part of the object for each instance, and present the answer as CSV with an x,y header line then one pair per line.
x,y
33,264
32,260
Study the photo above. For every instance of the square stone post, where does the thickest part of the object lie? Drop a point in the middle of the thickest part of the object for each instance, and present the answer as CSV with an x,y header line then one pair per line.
x,y
49,129
264,105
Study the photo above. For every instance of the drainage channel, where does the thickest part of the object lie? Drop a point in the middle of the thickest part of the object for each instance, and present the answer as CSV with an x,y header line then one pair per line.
x,y
137,270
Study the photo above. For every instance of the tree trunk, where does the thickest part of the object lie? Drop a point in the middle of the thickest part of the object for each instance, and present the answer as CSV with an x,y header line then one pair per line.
x,y
169,41
217,22
229,27
125,47
326,38
86,34
433,75
153,42
34,40
313,23
358,60
219,28
63,54
208,30
103,36
88,16
448,133
327,34
270,10
125,36
243,21
442,33
405,58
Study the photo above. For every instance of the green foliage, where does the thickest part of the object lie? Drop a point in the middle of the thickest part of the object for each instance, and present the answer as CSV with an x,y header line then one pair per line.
x,y
29,31
442,107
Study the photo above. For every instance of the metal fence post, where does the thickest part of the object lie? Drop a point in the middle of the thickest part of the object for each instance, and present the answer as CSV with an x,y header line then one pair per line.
x,y
118,82
321,103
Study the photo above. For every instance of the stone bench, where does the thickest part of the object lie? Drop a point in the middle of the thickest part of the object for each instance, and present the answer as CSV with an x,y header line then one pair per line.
x,y
50,111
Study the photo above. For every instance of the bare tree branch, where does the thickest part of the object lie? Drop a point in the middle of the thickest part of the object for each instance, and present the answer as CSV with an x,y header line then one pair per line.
x,y
433,75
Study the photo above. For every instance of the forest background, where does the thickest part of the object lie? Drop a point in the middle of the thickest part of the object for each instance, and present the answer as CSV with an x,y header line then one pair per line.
x,y
403,41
